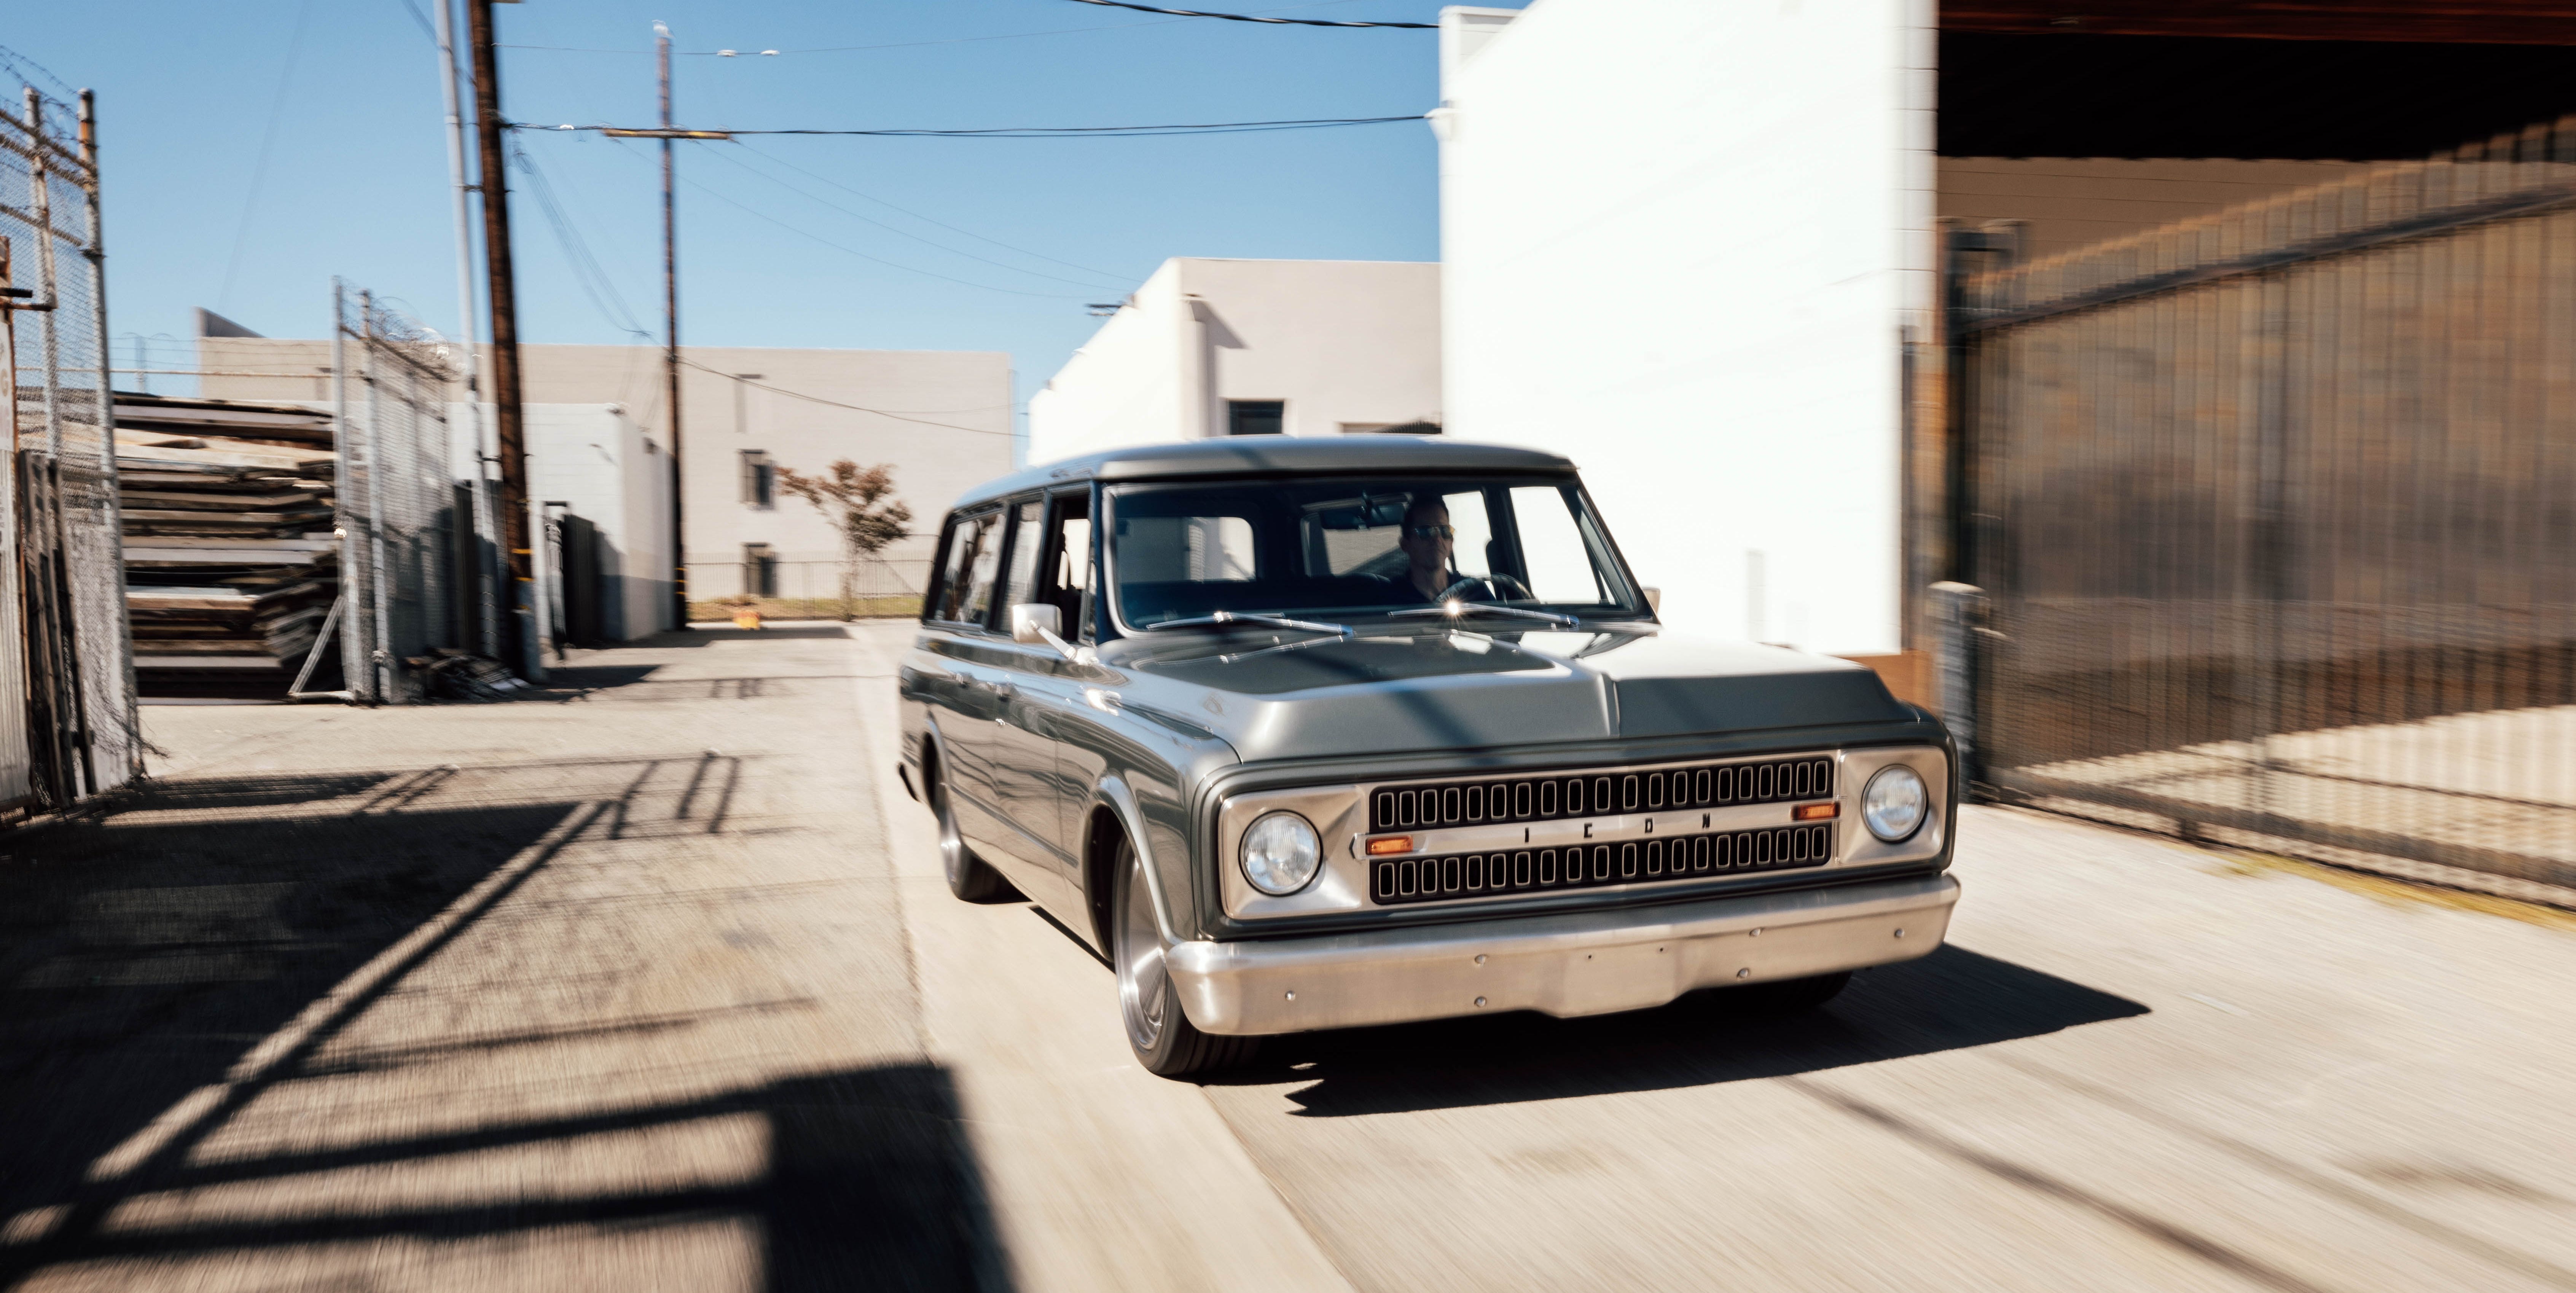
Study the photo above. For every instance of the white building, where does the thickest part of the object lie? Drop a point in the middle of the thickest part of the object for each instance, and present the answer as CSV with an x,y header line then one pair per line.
x,y
594,462
603,468
1683,242
1248,347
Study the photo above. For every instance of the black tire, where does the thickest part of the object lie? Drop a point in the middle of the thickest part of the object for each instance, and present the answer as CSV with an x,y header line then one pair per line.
x,y
1149,1011
1792,996
971,878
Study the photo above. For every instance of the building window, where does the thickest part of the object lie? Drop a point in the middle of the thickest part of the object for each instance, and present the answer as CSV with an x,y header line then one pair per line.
x,y
1255,417
759,479
759,570
742,401
1390,428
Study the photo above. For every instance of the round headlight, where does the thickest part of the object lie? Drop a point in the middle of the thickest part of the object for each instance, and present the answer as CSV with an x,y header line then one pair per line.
x,y
1895,803
1281,854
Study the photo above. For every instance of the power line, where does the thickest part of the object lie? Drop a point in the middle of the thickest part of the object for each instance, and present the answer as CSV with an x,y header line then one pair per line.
x,y
902,232
817,399
421,18
890,264
907,44
586,270
1245,17
267,139
1034,132
926,219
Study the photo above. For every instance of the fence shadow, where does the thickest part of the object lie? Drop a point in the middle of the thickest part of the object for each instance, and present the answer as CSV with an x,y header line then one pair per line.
x,y
870,1184
144,952
139,958
1951,999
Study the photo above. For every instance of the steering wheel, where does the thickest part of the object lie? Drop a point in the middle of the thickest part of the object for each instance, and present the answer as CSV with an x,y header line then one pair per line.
x,y
1495,583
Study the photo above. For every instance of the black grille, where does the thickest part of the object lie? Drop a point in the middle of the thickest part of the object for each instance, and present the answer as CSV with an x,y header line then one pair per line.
x,y
1539,799
1469,875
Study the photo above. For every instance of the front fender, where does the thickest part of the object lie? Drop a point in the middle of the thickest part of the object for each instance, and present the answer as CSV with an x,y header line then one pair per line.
x,y
1114,794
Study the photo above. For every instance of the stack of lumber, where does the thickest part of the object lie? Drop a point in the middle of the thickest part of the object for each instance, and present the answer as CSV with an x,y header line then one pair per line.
x,y
230,561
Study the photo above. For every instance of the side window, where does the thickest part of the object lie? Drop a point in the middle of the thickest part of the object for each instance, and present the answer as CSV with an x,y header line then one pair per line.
x,y
966,577
1471,551
943,579
983,571
1552,548
1067,581
1028,538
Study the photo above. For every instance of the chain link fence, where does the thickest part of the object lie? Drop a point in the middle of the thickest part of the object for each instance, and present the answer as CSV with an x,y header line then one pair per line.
x,y
2274,512
67,715
400,513
807,589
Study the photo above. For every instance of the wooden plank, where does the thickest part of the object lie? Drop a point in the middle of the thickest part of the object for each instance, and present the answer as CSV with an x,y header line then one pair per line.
x,y
214,501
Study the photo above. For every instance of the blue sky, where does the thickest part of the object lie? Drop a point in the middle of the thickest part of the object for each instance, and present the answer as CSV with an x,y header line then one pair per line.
x,y
255,150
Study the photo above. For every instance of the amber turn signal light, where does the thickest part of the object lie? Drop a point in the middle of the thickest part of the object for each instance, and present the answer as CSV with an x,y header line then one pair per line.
x,y
1815,812
1391,844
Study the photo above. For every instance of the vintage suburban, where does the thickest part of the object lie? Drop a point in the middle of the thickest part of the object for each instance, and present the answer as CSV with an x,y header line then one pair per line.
x,y
1314,733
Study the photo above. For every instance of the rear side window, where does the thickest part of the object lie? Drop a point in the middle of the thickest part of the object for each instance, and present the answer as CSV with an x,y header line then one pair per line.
x,y
974,557
1030,536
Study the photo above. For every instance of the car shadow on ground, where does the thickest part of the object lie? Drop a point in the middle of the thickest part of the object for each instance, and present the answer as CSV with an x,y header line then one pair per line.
x,y
1952,999
197,943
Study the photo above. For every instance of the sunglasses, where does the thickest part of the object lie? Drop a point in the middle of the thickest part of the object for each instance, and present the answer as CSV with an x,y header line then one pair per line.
x,y
1432,531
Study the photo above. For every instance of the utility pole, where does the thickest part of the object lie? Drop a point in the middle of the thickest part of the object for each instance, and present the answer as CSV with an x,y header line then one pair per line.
x,y
671,331
503,291
450,73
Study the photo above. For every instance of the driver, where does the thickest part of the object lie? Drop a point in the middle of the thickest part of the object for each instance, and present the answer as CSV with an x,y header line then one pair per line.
x,y
1427,542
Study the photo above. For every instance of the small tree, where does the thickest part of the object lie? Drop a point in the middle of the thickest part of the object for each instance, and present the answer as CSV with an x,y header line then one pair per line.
x,y
856,502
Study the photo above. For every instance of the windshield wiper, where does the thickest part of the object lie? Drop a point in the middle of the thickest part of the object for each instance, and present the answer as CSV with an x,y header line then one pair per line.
x,y
1457,610
1222,618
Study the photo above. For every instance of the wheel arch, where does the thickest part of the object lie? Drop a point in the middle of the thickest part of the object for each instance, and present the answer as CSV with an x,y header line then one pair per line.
x,y
1114,817
934,762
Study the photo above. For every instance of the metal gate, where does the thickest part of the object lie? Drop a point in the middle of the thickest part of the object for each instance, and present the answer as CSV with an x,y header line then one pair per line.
x,y
67,716
2276,512
398,500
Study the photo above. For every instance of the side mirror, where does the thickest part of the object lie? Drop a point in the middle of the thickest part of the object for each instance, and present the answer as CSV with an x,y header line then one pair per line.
x,y
1037,624
1655,600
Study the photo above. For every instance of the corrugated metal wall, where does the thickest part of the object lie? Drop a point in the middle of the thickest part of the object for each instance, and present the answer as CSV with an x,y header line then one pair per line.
x,y
2277,512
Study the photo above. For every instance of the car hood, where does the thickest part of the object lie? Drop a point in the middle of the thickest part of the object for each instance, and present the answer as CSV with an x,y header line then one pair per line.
x,y
1399,690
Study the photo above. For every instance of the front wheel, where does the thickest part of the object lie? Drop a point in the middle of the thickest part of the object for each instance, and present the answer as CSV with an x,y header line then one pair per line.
x,y
1158,1030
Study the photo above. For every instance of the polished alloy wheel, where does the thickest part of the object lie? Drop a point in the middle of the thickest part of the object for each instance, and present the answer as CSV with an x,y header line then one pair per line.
x,y
1143,993
969,877
953,858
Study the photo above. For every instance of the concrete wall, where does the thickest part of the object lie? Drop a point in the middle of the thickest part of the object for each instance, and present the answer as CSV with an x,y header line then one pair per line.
x,y
943,418
1343,344
1682,243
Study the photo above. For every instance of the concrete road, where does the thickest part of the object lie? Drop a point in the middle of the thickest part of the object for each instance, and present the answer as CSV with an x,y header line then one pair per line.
x,y
651,983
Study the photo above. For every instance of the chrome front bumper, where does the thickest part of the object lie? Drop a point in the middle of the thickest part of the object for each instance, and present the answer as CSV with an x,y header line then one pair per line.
x,y
1585,963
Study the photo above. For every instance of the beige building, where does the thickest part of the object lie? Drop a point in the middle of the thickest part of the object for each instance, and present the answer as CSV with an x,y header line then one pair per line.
x,y
943,419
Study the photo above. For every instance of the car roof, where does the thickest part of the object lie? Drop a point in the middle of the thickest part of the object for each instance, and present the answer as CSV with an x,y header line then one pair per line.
x,y
1272,456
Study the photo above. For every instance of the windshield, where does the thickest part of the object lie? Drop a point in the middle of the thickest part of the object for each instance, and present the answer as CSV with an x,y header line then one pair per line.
x,y
1354,547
